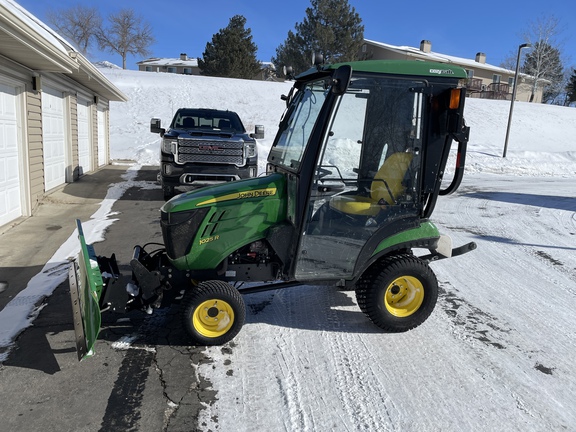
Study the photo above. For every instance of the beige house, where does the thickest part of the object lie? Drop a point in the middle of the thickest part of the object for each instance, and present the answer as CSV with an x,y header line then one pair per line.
x,y
484,80
54,105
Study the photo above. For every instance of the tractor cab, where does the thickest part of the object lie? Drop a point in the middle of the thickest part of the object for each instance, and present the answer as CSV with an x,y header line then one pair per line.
x,y
363,147
352,179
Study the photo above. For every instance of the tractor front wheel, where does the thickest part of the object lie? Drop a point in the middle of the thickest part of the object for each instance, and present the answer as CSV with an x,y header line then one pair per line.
x,y
398,293
213,313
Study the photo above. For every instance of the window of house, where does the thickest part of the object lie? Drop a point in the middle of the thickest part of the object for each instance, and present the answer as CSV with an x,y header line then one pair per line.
x,y
188,71
511,82
171,70
470,73
496,78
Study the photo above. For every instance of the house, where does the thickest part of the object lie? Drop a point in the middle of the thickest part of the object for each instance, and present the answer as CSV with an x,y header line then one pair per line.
x,y
484,80
182,65
54,105
189,66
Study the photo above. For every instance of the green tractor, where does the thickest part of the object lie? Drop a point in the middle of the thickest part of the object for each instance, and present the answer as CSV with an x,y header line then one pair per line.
x,y
351,182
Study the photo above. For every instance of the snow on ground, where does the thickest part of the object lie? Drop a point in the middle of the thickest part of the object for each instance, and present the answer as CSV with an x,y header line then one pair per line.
x,y
496,354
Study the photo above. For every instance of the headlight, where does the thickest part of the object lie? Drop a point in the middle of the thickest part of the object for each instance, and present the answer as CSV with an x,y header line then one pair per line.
x,y
250,150
169,146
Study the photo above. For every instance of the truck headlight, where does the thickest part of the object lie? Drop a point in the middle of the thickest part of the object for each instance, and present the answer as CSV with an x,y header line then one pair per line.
x,y
169,146
250,150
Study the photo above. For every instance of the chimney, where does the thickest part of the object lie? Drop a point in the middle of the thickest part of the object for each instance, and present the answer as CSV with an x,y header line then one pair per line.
x,y
425,46
481,57
183,56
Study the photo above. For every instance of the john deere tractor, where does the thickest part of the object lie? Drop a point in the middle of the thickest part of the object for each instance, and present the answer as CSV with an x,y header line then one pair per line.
x,y
351,182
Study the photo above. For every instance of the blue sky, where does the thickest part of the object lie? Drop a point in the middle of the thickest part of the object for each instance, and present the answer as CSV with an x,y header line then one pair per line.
x,y
459,28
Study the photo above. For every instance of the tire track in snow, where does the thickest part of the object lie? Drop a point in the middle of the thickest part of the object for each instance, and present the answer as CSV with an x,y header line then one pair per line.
x,y
357,381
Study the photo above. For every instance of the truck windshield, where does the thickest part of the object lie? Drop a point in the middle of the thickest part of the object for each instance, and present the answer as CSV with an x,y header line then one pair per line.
x,y
225,121
289,147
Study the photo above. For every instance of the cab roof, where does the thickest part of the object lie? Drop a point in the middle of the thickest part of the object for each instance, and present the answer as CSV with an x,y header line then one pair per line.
x,y
397,67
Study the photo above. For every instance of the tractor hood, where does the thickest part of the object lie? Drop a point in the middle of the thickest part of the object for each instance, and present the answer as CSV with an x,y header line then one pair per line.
x,y
229,193
202,227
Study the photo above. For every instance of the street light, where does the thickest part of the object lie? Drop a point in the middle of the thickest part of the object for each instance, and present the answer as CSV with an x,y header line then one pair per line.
x,y
526,45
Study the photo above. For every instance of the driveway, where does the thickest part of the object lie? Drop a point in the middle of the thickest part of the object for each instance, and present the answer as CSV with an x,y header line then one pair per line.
x,y
142,376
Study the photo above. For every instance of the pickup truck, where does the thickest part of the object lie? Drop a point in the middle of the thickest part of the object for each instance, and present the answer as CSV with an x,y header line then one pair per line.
x,y
205,146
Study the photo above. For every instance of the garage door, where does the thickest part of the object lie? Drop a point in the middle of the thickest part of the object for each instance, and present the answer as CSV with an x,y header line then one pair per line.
x,y
84,153
54,138
102,144
10,204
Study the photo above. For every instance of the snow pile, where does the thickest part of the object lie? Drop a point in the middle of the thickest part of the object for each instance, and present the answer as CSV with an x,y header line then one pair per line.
x,y
542,137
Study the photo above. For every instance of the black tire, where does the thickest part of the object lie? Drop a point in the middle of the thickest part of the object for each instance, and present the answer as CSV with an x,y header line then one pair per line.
x,y
398,293
213,313
168,191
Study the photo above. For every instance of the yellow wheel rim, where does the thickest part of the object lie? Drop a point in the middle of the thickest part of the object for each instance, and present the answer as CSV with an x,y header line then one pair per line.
x,y
404,296
213,318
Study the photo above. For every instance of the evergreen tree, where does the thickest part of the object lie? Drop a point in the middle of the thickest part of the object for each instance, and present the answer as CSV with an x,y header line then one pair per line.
x,y
571,87
331,28
231,53
543,60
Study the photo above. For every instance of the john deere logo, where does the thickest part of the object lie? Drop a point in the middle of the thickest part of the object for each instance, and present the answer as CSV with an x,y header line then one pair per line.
x,y
442,71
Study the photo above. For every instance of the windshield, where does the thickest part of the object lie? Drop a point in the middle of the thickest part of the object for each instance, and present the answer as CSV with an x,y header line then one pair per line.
x,y
289,147
225,121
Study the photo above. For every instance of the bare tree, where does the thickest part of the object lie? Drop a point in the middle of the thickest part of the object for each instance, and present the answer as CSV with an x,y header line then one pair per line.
x,y
543,61
79,24
126,34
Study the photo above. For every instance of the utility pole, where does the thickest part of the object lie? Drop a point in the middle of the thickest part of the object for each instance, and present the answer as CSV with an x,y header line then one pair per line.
x,y
526,45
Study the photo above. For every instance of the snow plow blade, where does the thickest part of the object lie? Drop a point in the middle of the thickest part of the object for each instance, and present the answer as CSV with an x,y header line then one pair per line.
x,y
89,276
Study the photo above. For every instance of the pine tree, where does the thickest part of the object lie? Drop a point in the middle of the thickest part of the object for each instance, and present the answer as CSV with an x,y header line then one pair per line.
x,y
571,87
231,53
543,62
331,28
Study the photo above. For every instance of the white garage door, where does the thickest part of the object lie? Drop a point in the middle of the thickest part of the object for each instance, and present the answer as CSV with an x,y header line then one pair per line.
x,y
54,138
102,144
84,153
10,204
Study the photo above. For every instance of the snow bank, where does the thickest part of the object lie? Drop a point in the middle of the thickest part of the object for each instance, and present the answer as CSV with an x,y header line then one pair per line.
x,y
542,138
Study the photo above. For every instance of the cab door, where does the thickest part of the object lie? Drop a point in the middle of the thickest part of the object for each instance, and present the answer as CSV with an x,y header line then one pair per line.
x,y
366,176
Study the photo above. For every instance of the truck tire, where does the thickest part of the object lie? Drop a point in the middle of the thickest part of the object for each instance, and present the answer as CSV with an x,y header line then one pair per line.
x,y
168,191
213,313
398,293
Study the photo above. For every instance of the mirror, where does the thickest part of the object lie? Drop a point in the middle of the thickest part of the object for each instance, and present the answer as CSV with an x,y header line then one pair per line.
x,y
156,126
258,132
341,79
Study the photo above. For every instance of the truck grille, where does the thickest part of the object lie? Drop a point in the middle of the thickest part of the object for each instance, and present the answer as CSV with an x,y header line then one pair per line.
x,y
210,151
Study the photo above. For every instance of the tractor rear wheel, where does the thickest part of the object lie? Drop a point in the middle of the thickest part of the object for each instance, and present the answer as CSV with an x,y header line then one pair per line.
x,y
213,313
398,293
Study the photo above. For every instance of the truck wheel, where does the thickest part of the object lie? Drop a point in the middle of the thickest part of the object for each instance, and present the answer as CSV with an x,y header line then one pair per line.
x,y
213,313
168,191
398,293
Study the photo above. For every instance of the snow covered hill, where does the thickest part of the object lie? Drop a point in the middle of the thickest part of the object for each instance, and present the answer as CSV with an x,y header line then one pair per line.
x,y
498,352
542,139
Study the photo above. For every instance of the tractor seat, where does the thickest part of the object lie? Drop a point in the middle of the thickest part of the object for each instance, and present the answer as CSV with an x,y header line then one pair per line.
x,y
386,187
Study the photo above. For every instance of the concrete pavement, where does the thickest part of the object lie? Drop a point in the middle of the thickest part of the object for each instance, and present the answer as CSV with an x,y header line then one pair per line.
x,y
150,385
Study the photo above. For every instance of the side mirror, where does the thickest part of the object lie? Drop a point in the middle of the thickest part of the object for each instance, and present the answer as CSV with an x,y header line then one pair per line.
x,y
258,132
341,79
156,126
